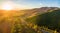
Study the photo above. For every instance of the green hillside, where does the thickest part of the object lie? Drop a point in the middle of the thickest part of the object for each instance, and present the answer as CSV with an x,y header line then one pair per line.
x,y
48,19
30,21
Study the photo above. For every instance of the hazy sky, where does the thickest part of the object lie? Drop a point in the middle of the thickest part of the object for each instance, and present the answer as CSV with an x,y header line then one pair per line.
x,y
32,3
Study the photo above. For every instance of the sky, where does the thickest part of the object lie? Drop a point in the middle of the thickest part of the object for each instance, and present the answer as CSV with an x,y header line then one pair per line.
x,y
28,4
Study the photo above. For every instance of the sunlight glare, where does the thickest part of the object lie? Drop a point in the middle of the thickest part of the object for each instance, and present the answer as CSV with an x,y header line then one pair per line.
x,y
7,7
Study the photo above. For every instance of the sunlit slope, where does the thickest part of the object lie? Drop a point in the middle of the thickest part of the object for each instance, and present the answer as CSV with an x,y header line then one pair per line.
x,y
7,19
13,21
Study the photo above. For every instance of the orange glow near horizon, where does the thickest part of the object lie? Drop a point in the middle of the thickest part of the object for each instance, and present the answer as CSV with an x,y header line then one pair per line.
x,y
12,6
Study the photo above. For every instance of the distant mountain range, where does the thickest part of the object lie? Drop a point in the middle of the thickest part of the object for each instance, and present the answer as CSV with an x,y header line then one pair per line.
x,y
36,11
29,12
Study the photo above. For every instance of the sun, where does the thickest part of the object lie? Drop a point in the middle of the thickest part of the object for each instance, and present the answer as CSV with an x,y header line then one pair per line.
x,y
7,7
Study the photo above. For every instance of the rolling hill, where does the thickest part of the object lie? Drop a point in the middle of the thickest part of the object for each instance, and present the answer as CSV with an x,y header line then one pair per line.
x,y
24,21
48,19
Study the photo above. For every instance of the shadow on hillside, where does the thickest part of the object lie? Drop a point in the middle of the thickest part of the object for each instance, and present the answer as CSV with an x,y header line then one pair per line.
x,y
50,20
